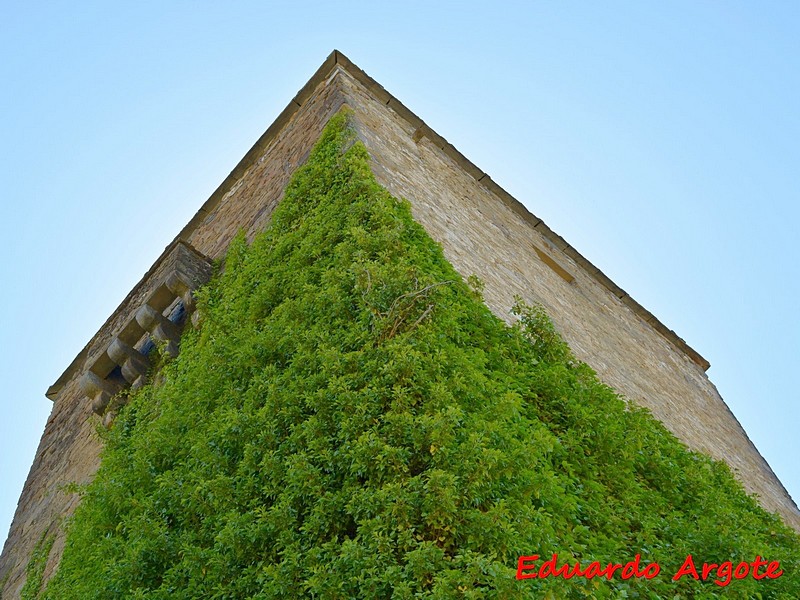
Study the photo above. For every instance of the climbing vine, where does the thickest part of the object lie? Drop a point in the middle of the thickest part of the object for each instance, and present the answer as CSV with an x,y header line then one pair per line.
x,y
34,572
350,421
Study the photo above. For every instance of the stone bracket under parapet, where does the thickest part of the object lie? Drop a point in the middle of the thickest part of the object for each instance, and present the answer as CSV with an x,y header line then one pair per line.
x,y
154,314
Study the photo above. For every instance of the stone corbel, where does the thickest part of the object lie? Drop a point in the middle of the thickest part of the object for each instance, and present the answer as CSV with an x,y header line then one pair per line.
x,y
182,286
100,390
160,328
133,363
124,362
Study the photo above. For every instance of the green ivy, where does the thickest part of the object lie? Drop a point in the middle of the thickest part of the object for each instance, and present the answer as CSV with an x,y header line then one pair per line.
x,y
34,572
351,421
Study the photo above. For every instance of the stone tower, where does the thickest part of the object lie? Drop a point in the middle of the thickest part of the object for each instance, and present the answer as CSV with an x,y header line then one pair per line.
x,y
483,230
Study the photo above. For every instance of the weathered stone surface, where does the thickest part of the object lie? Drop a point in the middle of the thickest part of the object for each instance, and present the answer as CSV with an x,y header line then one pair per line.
x,y
134,364
159,327
69,449
483,231
99,390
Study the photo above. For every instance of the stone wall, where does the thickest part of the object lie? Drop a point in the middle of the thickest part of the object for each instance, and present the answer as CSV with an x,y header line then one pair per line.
x,y
69,448
483,232
486,234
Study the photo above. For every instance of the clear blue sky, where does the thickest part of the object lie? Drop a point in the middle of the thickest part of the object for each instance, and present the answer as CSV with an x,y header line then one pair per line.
x,y
660,139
